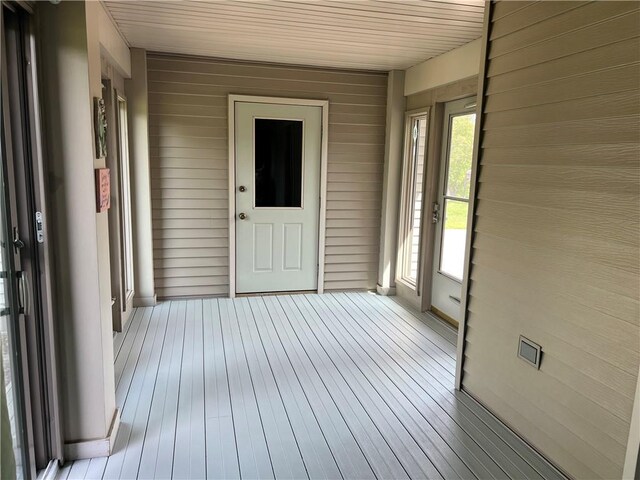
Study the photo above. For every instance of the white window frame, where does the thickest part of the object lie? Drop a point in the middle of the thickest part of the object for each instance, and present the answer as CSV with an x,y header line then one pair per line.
x,y
126,221
405,224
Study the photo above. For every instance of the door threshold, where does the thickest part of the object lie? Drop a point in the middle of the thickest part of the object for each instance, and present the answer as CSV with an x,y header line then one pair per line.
x,y
269,294
443,316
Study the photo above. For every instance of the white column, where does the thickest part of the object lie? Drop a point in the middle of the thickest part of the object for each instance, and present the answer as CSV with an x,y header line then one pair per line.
x,y
392,180
138,107
70,78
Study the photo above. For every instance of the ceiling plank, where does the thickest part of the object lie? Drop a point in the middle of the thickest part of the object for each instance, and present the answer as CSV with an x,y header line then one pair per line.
x,y
359,34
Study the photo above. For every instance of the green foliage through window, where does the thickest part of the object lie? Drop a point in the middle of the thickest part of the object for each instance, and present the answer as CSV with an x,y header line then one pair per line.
x,y
460,155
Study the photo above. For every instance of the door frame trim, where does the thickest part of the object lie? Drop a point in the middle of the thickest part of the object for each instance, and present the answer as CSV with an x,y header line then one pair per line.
x,y
324,146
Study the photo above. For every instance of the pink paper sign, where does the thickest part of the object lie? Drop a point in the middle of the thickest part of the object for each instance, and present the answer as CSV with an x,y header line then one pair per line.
x,y
103,190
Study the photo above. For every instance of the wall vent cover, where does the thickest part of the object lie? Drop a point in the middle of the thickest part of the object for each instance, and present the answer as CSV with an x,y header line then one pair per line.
x,y
529,351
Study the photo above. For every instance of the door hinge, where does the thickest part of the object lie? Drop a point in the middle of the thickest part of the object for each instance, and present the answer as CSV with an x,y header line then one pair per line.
x,y
435,213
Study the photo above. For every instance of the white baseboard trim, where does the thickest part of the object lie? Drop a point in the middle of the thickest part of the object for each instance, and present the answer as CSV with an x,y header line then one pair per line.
x,y
101,447
145,301
386,291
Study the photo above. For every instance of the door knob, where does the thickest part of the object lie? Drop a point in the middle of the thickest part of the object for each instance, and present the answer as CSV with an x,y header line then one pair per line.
x,y
242,216
242,188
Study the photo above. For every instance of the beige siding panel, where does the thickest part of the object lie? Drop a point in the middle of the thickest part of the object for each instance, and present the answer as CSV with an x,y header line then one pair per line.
x,y
181,218
528,17
180,183
347,267
166,233
353,259
613,30
619,79
575,414
551,433
601,106
192,252
556,250
185,163
268,72
560,313
189,161
584,132
189,262
601,58
199,271
504,8
563,24
625,155
582,282
191,291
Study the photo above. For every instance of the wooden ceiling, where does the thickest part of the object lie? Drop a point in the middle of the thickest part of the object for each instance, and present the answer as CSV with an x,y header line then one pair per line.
x,y
359,34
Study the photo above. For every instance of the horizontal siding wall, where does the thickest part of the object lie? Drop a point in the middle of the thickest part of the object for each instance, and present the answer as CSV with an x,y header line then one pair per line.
x,y
189,167
556,250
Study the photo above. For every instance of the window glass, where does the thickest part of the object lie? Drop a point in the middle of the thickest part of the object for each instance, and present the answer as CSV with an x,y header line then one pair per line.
x,y
460,155
412,198
454,238
278,163
419,136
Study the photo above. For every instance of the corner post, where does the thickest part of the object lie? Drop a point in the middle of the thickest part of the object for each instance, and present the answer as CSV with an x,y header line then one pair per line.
x,y
391,183
138,112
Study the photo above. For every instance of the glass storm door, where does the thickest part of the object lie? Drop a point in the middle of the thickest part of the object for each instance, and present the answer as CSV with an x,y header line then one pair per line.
x,y
277,192
452,207
15,461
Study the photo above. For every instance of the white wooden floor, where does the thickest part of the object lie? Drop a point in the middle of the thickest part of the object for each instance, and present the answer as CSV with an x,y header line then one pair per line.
x,y
349,385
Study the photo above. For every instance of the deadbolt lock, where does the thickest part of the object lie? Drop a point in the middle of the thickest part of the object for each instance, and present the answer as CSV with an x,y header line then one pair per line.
x,y
242,188
242,216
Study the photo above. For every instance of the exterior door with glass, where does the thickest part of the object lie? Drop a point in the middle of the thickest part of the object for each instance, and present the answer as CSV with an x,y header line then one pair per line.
x,y
15,459
452,207
277,194
30,431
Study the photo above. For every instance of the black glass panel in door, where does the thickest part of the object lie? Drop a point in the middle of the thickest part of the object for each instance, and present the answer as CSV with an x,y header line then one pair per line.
x,y
278,163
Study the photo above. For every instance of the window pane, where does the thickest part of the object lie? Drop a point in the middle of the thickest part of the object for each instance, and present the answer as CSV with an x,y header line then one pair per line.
x,y
419,135
125,186
454,238
460,155
278,163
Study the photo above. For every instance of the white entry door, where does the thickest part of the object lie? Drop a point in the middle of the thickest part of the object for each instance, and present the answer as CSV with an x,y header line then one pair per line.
x,y
452,207
277,188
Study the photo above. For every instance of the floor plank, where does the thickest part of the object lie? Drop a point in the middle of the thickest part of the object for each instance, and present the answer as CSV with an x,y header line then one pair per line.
x,y
253,451
314,448
338,348
221,450
158,449
125,460
189,451
453,453
284,450
347,452
438,394
342,385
